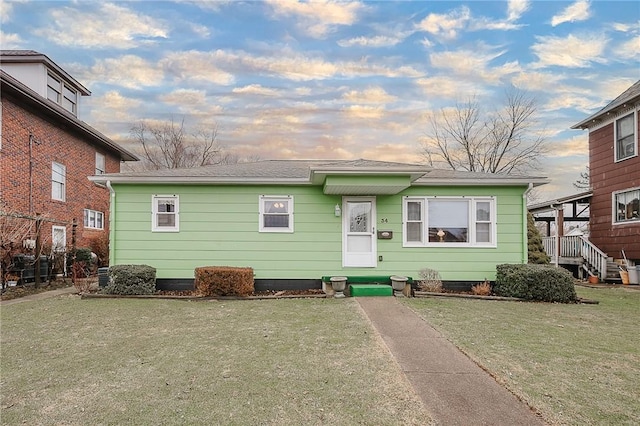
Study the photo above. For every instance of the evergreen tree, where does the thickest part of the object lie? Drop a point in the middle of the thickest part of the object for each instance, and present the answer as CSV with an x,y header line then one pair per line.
x,y
534,243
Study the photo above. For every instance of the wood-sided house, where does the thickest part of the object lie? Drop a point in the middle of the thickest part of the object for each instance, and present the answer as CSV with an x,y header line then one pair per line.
x,y
295,221
614,164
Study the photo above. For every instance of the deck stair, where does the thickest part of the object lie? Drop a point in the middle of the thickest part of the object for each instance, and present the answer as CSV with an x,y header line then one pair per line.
x,y
578,250
370,290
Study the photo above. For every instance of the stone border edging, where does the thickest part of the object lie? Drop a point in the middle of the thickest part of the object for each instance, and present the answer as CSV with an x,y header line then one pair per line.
x,y
197,298
468,296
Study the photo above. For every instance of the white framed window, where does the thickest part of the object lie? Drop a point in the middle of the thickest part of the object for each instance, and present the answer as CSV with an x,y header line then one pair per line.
x,y
62,94
276,213
58,181
625,135
58,238
93,219
626,206
449,221
100,164
166,213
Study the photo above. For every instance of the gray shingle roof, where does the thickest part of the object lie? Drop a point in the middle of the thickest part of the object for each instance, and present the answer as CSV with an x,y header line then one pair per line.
x,y
632,94
304,171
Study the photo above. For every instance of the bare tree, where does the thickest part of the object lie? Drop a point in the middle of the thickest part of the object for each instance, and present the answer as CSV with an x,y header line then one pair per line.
x,y
468,138
168,145
584,181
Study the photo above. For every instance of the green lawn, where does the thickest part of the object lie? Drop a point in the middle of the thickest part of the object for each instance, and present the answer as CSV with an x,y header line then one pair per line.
x,y
576,364
124,361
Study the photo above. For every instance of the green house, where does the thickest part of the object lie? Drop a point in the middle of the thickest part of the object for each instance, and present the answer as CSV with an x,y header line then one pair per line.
x,y
296,221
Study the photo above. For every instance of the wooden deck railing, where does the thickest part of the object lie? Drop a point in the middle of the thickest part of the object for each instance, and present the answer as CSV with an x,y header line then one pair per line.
x,y
578,246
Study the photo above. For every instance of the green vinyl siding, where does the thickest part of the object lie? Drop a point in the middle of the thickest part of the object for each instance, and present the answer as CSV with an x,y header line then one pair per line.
x,y
219,226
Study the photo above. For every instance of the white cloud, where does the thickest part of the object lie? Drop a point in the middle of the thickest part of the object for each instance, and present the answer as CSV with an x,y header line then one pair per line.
x,y
447,25
516,8
113,107
110,26
474,64
376,41
536,81
10,41
364,111
371,95
194,65
318,18
255,89
185,97
573,51
629,49
578,11
127,71
443,87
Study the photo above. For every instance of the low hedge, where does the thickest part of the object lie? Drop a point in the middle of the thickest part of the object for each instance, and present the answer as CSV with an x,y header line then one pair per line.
x,y
211,281
131,279
535,282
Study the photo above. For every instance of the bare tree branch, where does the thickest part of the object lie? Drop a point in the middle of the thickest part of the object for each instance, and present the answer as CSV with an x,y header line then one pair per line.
x,y
168,145
468,138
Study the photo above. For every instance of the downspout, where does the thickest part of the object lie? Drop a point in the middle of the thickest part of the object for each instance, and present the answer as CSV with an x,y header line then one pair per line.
x,y
525,212
112,223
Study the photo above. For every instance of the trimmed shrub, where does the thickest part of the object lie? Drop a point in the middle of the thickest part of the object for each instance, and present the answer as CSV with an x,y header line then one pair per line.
x,y
535,282
131,279
223,281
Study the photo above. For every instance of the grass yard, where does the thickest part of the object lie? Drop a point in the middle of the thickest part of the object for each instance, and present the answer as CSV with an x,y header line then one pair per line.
x,y
576,364
124,361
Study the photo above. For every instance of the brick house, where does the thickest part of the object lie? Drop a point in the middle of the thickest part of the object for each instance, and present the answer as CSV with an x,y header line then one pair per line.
x,y
614,164
47,152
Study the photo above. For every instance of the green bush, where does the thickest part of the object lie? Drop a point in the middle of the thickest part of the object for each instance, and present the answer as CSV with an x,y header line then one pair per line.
x,y
213,281
535,282
131,279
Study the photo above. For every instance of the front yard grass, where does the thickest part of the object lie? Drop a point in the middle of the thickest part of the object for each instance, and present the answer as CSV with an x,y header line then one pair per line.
x,y
576,364
125,361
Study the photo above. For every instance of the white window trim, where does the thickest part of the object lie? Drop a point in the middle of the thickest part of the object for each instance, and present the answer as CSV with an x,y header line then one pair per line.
x,y
100,156
63,182
616,157
614,208
87,213
405,219
280,198
473,200
154,214
60,85
55,247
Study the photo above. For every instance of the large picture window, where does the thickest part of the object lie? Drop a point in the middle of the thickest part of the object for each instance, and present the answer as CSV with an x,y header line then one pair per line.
x,y
276,213
626,206
454,221
165,213
625,136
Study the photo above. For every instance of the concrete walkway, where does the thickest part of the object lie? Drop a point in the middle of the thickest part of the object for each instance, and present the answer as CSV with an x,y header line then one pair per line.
x,y
453,388
40,296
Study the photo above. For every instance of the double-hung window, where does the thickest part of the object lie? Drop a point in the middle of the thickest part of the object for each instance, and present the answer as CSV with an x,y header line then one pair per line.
x,y
60,93
93,219
166,213
276,213
100,164
626,206
58,181
449,221
626,138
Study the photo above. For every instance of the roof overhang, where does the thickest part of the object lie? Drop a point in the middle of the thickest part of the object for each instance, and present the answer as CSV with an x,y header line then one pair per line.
x,y
366,185
502,181
50,109
550,205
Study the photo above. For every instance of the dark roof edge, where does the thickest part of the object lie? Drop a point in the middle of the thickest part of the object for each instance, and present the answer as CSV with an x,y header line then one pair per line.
x,y
60,113
632,94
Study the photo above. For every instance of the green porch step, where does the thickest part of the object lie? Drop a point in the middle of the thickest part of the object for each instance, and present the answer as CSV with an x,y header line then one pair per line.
x,y
370,290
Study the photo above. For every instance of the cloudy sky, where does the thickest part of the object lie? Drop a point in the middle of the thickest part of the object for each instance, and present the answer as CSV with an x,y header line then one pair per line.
x,y
338,80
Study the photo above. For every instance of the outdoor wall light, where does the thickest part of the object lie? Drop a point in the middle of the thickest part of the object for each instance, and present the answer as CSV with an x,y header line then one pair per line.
x,y
337,211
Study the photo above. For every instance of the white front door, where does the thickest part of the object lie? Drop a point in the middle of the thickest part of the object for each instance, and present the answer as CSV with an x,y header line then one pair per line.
x,y
358,232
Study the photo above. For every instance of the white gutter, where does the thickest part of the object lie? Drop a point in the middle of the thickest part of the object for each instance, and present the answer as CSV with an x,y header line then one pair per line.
x,y
112,222
525,211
